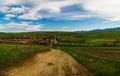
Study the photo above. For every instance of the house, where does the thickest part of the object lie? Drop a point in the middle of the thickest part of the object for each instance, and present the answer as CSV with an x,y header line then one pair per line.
x,y
0,41
113,44
55,41
110,43
117,43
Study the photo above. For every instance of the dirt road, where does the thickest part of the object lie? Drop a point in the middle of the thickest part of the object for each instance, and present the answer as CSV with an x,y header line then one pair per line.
x,y
51,63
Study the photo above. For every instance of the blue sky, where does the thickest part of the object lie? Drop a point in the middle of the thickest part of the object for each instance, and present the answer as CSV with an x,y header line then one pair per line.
x,y
58,15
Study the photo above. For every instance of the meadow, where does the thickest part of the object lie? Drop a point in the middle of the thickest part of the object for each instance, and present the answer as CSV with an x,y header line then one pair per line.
x,y
98,59
98,65
87,37
10,56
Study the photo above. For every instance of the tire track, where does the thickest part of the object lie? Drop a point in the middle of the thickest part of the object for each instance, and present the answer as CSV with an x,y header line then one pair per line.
x,y
55,69
37,61
52,63
66,66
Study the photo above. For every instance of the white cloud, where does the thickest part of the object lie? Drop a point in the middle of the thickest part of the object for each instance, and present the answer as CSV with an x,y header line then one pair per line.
x,y
34,28
17,25
21,26
65,27
29,17
52,7
4,9
5,18
6,4
10,2
77,16
106,22
108,9
2,27
25,26
17,10
9,15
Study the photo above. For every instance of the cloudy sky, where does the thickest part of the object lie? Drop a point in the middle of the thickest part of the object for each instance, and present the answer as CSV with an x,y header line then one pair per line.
x,y
58,15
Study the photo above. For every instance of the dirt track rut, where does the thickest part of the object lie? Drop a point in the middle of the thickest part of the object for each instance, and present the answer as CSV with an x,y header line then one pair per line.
x,y
51,63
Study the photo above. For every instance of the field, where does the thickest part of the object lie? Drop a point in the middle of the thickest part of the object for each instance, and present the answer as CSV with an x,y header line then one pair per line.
x,y
97,60
87,37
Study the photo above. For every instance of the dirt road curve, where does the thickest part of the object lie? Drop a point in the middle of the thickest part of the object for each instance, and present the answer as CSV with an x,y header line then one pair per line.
x,y
51,63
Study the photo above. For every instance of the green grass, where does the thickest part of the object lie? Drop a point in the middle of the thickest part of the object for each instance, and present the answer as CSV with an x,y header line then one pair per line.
x,y
88,37
9,56
98,65
102,66
93,47
111,35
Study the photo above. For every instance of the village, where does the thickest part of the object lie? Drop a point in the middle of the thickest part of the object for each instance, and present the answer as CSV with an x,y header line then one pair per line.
x,y
53,40
27,40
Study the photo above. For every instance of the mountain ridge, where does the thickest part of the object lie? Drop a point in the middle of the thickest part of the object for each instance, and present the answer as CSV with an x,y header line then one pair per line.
x,y
99,30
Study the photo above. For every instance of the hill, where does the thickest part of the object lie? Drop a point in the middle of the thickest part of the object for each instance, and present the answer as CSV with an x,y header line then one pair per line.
x,y
100,30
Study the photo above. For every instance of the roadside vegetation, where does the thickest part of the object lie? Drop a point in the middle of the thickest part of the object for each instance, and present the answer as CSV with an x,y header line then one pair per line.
x,y
10,56
97,64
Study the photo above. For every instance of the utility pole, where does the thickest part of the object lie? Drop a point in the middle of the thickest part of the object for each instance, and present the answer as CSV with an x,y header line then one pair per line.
x,y
16,44
30,43
51,42
55,39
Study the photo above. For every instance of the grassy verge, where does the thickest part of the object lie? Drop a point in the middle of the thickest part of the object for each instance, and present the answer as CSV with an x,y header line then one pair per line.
x,y
85,47
9,56
98,65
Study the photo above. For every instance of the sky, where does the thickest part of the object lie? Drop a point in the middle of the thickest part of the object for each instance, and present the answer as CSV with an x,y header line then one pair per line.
x,y
58,15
